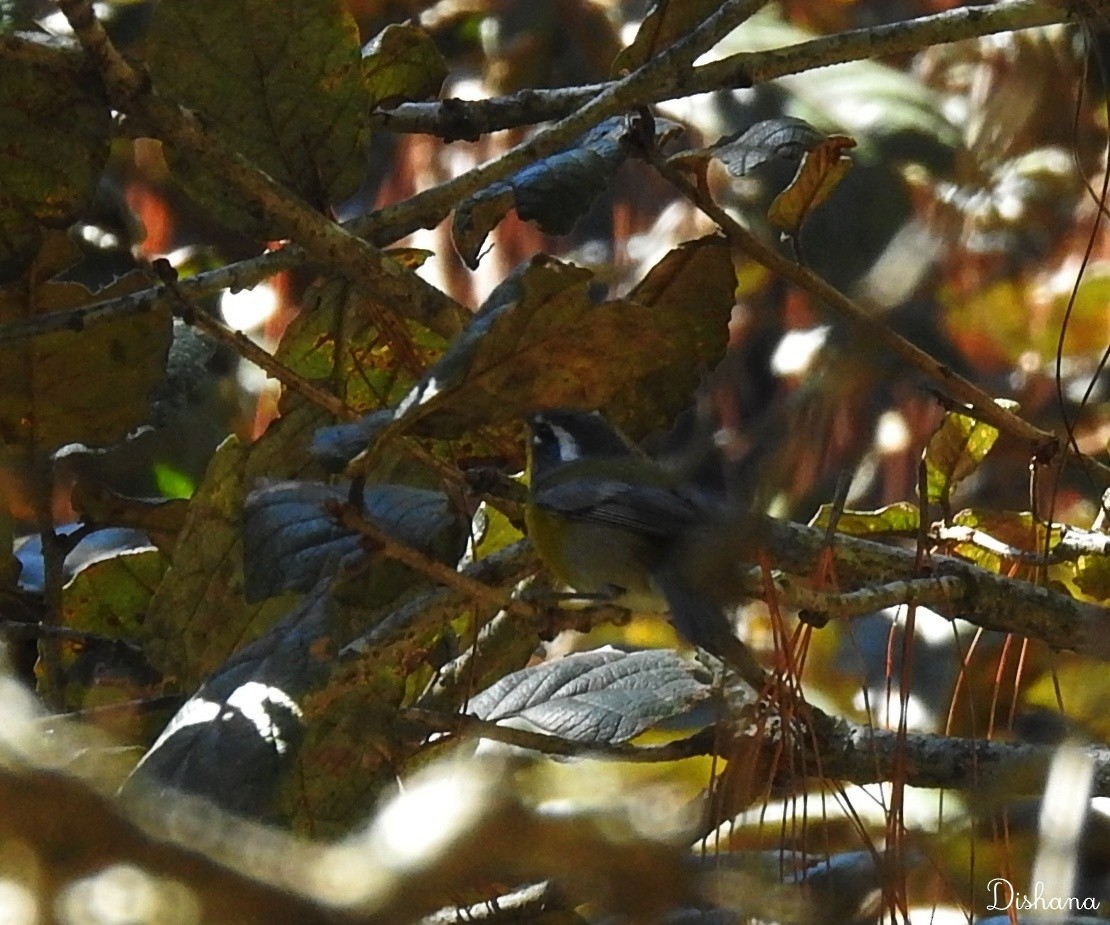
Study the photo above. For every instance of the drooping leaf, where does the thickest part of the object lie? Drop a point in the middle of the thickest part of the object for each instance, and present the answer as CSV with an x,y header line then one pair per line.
x,y
291,541
785,138
900,519
665,23
402,63
603,697
554,192
955,450
50,166
821,169
282,84
89,386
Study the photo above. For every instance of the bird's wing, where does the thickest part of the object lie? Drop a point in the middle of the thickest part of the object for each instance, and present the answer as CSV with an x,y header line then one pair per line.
x,y
647,509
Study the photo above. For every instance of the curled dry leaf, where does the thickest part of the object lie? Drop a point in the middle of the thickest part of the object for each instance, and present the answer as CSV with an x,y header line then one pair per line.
x,y
821,169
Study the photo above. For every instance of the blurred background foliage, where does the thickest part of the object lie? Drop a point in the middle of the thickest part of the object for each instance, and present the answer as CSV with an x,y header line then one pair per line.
x,y
969,221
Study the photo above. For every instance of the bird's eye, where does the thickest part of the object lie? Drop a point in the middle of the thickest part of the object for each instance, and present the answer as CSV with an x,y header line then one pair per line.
x,y
542,434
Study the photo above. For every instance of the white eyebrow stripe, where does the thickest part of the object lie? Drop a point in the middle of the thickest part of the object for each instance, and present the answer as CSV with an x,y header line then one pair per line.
x,y
569,450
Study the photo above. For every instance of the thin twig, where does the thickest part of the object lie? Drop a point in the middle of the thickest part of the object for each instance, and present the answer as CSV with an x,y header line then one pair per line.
x,y
353,519
361,262
530,903
247,348
981,405
458,118
469,119
464,724
428,209
54,552
237,276
14,629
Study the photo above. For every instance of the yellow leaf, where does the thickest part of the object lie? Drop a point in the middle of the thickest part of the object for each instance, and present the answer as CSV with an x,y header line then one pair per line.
x,y
819,172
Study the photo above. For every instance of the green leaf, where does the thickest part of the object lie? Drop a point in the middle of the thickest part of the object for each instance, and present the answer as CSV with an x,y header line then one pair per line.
x,y
173,483
667,22
90,386
955,450
109,598
198,616
50,165
901,518
402,63
335,342
999,539
282,83
1092,577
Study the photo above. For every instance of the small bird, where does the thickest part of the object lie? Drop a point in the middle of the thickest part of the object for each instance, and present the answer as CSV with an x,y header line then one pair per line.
x,y
613,524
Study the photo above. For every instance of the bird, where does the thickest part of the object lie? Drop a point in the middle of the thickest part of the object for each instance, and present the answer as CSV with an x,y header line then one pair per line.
x,y
615,525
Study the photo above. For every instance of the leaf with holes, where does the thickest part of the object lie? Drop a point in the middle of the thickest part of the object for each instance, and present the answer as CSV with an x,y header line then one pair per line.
x,y
603,697
540,340
335,342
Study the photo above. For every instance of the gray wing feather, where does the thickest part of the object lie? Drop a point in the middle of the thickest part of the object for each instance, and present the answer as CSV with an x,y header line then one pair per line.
x,y
646,509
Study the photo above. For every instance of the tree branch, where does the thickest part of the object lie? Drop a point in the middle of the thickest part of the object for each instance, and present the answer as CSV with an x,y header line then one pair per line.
x,y
466,725
361,262
863,755
428,209
468,120
993,602
871,328
465,119
848,752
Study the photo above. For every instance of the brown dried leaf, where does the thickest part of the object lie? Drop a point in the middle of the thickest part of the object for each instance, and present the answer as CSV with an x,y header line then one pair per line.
x,y
821,169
